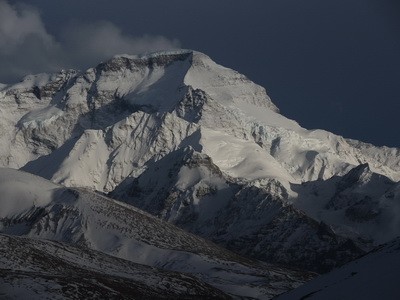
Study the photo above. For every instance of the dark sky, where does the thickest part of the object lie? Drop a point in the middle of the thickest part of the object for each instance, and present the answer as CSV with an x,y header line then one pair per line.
x,y
331,64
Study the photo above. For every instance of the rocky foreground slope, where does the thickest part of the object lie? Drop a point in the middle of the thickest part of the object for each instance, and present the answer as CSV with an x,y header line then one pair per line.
x,y
43,269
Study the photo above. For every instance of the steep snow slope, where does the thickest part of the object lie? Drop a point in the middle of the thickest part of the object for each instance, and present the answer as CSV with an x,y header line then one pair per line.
x,y
374,276
36,208
42,269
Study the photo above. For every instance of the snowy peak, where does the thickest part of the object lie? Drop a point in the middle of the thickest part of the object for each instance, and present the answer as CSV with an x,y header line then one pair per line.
x,y
360,182
360,174
91,108
361,205
155,59
173,185
225,85
154,78
198,71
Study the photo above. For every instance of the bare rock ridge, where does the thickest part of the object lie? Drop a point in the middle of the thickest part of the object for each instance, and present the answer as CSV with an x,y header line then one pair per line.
x,y
197,145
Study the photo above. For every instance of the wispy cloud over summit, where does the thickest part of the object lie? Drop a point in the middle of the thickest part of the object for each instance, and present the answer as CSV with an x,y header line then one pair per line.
x,y
27,47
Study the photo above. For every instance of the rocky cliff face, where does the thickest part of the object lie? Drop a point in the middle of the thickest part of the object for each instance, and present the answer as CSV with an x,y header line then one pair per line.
x,y
201,146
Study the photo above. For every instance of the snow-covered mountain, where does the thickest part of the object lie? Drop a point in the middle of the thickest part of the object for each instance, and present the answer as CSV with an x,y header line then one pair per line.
x,y
201,146
132,110
35,208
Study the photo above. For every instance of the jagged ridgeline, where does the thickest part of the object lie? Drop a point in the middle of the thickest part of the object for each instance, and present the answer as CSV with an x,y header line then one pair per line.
x,y
201,146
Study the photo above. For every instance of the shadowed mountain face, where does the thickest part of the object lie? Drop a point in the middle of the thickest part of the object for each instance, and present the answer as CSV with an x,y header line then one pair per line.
x,y
374,276
197,145
254,220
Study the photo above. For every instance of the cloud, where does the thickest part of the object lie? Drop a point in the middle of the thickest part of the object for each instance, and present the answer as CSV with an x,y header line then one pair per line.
x,y
24,42
96,41
26,47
